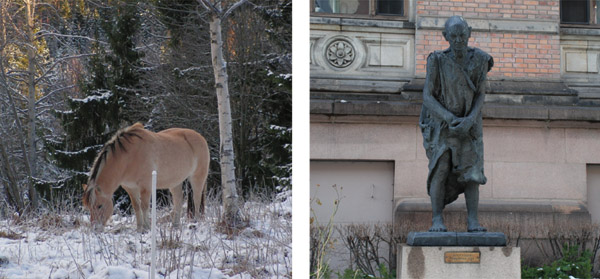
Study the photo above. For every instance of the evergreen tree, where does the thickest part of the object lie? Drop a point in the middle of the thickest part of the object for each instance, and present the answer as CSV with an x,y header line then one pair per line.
x,y
262,97
109,89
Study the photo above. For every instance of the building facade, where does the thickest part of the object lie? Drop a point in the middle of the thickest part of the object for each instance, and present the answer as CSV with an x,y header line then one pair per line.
x,y
541,112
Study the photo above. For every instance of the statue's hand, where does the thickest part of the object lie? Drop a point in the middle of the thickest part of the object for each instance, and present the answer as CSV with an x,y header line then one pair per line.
x,y
461,125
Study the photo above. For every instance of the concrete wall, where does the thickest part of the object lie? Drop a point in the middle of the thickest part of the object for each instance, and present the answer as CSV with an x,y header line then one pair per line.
x,y
526,162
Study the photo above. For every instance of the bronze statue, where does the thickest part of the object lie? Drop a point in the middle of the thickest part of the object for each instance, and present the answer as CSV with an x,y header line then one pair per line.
x,y
451,123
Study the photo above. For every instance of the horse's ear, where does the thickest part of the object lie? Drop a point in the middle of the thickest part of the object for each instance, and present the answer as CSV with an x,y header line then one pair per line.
x,y
84,186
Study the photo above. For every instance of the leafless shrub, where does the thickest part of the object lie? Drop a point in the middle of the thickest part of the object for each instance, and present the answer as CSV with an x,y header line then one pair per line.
x,y
370,245
321,240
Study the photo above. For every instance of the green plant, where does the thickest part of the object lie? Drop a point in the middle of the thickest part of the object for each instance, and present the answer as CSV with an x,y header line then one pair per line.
x,y
571,265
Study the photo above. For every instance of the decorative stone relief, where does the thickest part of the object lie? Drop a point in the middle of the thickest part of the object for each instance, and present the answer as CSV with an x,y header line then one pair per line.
x,y
340,53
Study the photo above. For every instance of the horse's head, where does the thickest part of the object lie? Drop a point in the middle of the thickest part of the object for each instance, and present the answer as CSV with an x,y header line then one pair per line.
x,y
99,204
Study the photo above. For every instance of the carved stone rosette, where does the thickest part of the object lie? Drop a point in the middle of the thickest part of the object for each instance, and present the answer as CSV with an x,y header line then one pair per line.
x,y
340,53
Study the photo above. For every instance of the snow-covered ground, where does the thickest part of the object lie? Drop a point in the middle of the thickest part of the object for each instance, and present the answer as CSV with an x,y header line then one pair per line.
x,y
61,246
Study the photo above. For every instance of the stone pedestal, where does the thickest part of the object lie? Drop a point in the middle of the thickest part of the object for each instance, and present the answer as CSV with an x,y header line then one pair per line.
x,y
456,239
477,262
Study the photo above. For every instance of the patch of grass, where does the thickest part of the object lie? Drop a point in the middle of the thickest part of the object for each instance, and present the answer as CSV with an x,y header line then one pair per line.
x,y
10,235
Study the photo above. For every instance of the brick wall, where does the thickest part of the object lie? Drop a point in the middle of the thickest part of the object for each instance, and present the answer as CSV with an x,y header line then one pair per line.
x,y
499,9
516,54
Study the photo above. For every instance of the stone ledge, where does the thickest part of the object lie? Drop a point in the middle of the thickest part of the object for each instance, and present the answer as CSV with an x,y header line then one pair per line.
x,y
550,88
456,239
485,205
514,218
344,106
579,31
494,25
339,20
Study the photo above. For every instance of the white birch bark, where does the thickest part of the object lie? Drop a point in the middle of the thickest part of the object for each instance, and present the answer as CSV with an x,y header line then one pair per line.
x,y
231,212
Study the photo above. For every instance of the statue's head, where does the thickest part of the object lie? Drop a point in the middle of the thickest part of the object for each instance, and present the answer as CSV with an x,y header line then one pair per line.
x,y
457,32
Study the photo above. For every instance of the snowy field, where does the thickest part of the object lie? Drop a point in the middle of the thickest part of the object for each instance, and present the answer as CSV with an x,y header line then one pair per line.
x,y
61,246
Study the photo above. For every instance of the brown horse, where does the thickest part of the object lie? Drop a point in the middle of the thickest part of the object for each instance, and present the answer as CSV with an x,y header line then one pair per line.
x,y
128,160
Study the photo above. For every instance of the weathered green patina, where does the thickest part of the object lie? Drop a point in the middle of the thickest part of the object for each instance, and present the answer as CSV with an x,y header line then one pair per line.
x,y
451,123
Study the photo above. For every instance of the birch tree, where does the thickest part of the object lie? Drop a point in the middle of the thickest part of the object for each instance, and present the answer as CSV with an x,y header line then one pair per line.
x,y
231,212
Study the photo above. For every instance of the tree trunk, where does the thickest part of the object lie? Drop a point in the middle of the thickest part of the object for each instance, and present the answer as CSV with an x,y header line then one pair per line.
x,y
231,211
13,195
31,102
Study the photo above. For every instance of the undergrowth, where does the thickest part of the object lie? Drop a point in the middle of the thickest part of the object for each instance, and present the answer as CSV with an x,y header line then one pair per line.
x,y
573,264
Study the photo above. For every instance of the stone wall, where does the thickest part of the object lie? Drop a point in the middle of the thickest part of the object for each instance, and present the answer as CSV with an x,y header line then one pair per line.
x,y
357,55
580,52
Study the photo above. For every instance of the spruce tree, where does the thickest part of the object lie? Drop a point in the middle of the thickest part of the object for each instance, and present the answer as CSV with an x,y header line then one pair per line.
x,y
262,97
108,90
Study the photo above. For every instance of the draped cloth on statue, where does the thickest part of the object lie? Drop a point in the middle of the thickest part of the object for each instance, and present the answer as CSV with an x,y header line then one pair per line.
x,y
456,90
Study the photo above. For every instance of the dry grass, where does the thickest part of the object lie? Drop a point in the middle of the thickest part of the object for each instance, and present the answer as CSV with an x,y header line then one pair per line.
x,y
10,235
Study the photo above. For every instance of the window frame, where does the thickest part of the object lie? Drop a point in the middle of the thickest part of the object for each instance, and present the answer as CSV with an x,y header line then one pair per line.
x,y
372,12
590,17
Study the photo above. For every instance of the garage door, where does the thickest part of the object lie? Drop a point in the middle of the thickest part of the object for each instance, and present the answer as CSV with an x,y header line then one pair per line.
x,y
593,188
365,191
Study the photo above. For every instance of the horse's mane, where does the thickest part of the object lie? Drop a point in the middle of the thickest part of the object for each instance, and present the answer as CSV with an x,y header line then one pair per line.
x,y
111,146
89,195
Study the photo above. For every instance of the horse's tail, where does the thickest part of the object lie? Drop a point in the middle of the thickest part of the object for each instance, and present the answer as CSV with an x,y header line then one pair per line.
x,y
203,201
187,186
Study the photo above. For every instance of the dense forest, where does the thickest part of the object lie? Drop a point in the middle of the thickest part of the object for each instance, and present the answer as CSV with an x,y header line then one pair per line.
x,y
73,72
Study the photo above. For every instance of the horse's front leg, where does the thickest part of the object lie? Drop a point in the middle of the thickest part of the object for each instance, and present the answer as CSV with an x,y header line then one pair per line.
x,y
134,196
177,194
145,206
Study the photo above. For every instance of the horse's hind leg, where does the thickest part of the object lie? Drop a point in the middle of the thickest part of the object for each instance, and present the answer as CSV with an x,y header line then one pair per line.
x,y
177,194
198,182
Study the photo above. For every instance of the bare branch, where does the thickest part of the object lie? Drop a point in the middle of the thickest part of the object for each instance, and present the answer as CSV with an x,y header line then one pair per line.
x,y
48,33
63,59
210,7
233,7
52,93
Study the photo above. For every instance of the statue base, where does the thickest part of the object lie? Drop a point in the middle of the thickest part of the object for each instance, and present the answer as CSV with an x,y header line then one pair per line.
x,y
456,239
475,262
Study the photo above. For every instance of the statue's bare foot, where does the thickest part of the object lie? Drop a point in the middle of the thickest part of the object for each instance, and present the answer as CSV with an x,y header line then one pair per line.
x,y
438,226
476,228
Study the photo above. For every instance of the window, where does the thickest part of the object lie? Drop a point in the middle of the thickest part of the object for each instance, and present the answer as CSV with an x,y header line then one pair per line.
x,y
360,7
580,12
